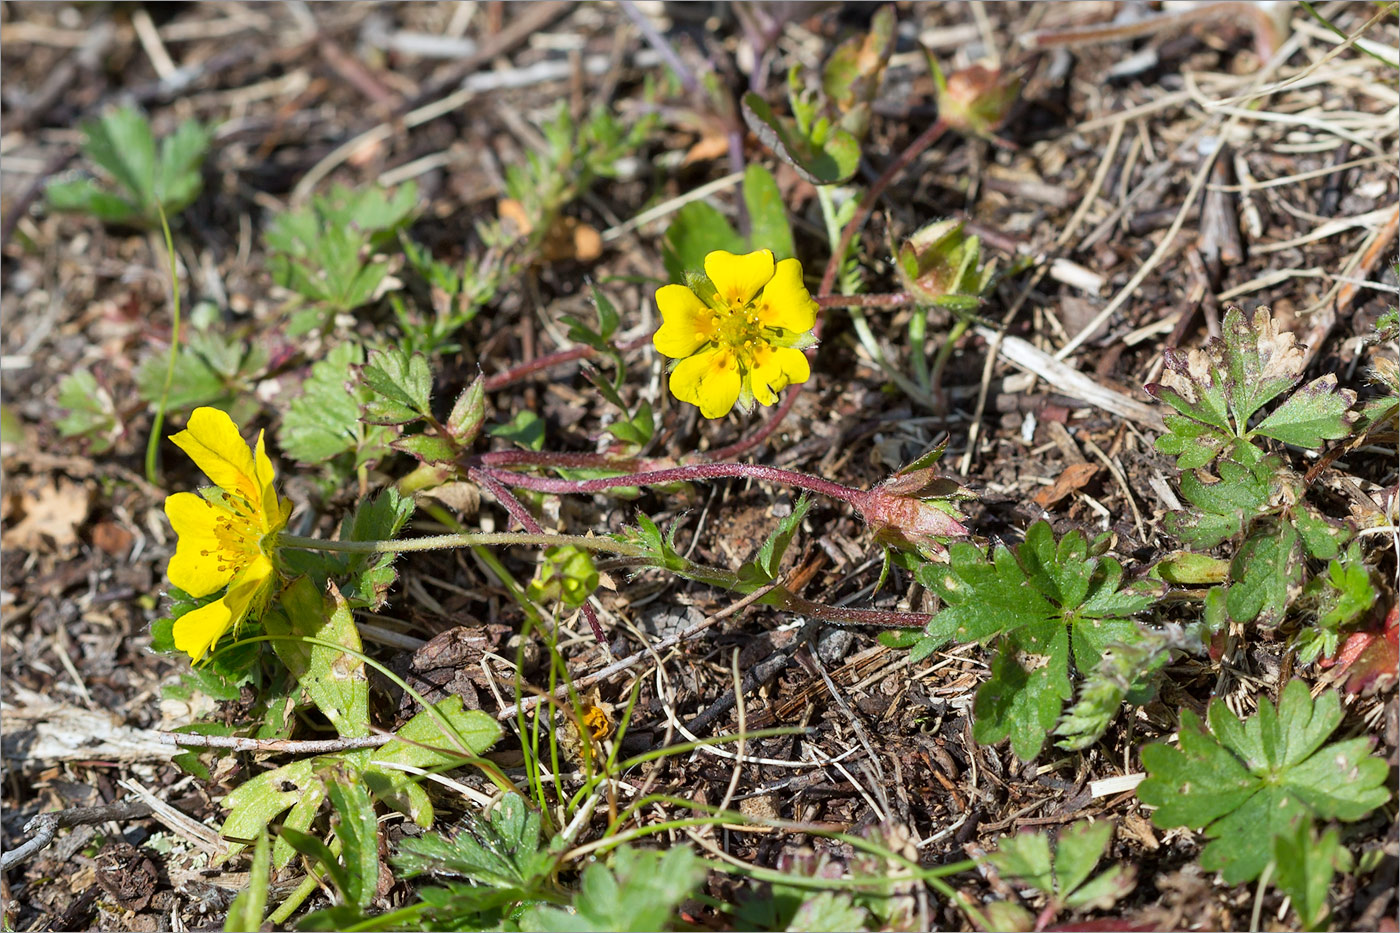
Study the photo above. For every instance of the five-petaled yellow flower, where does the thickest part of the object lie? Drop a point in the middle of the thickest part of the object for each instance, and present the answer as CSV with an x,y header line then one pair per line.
x,y
738,331
227,534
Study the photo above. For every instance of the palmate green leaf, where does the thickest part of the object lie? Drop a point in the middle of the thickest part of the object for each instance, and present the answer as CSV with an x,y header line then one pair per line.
x,y
639,890
1026,857
499,850
1304,864
324,421
1246,782
829,912
1225,505
1041,600
1221,387
89,411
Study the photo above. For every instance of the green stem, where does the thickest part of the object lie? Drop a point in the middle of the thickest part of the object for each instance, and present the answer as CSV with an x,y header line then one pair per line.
x,y
469,539
153,442
308,886
946,351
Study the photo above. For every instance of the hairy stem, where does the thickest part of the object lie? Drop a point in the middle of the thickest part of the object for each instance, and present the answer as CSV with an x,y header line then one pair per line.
x,y
468,539
689,473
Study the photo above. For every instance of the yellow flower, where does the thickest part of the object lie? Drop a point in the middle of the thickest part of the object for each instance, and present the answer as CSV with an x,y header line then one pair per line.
x,y
738,331
227,534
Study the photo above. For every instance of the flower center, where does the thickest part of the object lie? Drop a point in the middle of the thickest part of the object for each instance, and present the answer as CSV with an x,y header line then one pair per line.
x,y
738,327
238,533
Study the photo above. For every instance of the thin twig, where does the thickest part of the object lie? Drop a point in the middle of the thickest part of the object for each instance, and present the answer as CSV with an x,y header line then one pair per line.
x,y
274,746
45,826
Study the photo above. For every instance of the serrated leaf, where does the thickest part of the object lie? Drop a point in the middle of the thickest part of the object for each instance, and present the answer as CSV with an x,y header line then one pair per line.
x,y
833,161
334,679
324,421
401,385
358,832
768,561
260,799
500,849
1221,387
1266,573
1029,683
90,412
1317,412
1246,782
768,220
829,912
1224,505
121,142
639,890
364,578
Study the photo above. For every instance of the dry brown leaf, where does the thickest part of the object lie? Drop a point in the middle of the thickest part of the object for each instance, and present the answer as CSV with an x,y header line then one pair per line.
x,y
50,514
1075,477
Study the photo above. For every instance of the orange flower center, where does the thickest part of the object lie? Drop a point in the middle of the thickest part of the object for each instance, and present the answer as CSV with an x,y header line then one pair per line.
x,y
238,532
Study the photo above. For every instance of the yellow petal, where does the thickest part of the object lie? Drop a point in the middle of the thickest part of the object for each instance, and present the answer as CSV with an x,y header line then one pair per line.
x,y
214,444
785,302
739,278
687,324
774,369
710,380
275,512
197,631
195,566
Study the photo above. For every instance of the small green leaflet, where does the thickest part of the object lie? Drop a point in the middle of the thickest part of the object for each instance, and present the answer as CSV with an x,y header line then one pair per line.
x,y
1064,877
324,421
639,890
1304,864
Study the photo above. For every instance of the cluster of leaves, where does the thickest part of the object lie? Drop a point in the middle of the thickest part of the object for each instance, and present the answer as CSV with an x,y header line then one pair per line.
x,y
326,250
144,180
822,139
1255,788
1061,877
1252,500
1040,604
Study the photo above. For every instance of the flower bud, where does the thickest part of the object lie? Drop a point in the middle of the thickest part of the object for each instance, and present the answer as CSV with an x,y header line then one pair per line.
x,y
941,265
976,99
916,509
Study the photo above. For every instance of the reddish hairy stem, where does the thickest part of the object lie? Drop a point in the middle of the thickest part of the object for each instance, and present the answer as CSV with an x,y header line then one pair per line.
x,y
695,471
558,357
881,618
517,510
570,461
892,300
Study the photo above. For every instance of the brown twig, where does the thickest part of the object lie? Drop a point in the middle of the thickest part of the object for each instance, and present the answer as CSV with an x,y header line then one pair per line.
x,y
45,826
274,746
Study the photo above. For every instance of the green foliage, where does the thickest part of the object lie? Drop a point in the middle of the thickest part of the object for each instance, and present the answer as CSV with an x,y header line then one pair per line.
x,y
566,574
1039,603
822,140
323,423
210,369
525,429
764,567
455,295
89,411
400,385
1343,597
1124,672
122,145
246,911
660,548
500,850
942,266
363,578
1064,876
1218,389
334,681
1246,783
699,229
639,890
1304,864
324,250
